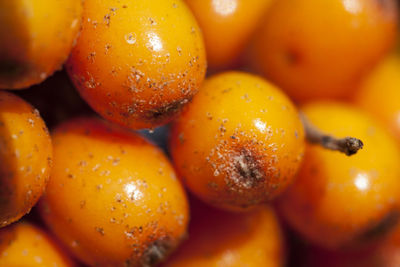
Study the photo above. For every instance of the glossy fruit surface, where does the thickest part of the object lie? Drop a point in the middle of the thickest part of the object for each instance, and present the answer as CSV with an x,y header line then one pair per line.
x,y
36,39
380,94
23,244
239,143
138,62
113,198
219,238
321,49
227,26
337,200
25,157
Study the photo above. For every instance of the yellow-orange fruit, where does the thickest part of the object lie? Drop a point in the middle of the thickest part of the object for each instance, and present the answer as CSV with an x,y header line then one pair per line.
x,y
218,238
227,27
138,62
25,245
339,201
379,94
321,49
36,39
113,198
239,143
25,157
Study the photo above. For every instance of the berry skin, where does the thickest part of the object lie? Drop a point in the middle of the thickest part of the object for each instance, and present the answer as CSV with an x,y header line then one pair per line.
x,y
219,238
138,62
36,39
25,157
239,143
113,198
338,201
24,244
227,27
379,94
322,49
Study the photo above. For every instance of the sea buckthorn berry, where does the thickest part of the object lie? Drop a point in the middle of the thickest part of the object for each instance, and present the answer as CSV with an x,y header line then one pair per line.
x,y
36,39
25,157
239,143
379,94
138,62
338,201
23,244
219,238
227,26
113,198
321,49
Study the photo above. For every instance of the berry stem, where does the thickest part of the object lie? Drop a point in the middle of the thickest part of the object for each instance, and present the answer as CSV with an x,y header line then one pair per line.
x,y
346,145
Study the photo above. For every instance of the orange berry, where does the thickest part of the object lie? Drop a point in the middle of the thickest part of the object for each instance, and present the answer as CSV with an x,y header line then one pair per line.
x,y
379,94
321,49
36,39
339,201
138,62
239,143
25,157
23,244
218,238
227,26
113,198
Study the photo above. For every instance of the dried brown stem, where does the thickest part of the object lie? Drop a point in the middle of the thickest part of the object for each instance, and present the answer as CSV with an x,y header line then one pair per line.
x,y
346,145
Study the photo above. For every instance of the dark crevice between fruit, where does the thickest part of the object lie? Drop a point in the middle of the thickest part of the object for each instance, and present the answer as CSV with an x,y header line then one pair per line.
x,y
380,229
12,69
